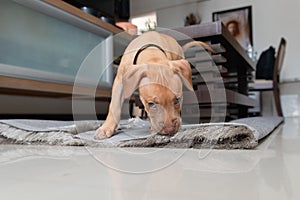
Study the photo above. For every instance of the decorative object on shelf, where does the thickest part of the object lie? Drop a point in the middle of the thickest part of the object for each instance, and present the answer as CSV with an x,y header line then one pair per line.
x,y
239,23
97,14
128,27
108,20
251,52
191,19
90,11
150,25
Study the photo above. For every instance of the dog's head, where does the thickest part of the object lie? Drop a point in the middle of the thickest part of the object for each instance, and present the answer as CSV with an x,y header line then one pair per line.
x,y
160,89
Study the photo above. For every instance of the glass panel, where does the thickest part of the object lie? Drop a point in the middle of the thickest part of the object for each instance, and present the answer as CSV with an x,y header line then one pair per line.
x,y
34,40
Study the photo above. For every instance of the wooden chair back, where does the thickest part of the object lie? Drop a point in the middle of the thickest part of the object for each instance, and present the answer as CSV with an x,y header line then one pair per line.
x,y
276,76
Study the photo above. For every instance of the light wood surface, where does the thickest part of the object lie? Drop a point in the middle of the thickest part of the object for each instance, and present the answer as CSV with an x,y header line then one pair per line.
x,y
19,86
79,13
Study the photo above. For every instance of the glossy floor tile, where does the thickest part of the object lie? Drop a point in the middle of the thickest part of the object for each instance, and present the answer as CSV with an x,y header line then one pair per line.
x,y
271,171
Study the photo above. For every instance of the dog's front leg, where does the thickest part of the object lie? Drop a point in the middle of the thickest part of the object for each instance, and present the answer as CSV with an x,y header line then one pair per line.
x,y
107,129
124,85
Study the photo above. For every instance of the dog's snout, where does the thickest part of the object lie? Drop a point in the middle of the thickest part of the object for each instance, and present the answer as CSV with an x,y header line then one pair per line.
x,y
171,127
169,130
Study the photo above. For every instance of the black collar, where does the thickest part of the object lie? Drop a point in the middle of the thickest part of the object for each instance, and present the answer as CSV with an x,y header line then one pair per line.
x,y
145,47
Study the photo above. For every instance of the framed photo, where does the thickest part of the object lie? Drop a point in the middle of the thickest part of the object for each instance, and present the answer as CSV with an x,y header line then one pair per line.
x,y
239,23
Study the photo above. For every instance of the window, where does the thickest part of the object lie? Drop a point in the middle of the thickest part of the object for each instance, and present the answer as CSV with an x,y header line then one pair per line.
x,y
145,22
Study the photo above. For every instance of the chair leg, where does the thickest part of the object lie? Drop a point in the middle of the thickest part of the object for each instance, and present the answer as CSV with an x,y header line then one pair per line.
x,y
276,93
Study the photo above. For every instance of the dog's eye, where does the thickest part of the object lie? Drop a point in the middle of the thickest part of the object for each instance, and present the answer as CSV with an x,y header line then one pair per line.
x,y
152,105
177,101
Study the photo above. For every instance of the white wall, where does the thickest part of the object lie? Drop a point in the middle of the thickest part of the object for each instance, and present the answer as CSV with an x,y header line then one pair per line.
x,y
177,14
170,13
272,19
138,7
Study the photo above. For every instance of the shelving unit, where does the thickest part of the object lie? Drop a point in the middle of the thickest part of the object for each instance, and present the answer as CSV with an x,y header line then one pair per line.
x,y
220,78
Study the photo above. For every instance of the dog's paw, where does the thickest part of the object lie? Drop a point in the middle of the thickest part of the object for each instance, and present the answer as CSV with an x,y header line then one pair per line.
x,y
102,133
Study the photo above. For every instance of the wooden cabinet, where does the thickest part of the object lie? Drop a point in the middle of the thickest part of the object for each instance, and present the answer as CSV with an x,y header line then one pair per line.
x,y
40,42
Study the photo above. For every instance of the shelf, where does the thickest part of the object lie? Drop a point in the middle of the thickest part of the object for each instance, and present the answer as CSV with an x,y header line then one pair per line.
x,y
27,87
234,74
217,96
72,15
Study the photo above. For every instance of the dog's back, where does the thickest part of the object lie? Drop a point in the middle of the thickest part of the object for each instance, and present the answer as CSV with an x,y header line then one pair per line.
x,y
173,51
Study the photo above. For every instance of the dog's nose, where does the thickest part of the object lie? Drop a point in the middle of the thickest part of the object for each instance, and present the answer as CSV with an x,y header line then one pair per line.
x,y
169,130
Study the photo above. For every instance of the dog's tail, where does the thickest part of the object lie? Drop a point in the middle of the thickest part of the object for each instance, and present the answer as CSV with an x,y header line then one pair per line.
x,y
197,43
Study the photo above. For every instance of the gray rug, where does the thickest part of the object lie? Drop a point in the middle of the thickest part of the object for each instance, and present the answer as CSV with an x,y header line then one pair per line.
x,y
237,134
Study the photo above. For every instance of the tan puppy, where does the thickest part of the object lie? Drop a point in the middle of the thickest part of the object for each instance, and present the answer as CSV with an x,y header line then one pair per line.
x,y
158,71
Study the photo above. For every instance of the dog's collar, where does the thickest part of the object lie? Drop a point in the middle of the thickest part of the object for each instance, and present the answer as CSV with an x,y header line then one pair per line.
x,y
145,47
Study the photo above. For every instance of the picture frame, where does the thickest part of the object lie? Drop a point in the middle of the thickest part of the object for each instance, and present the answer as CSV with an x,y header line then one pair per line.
x,y
239,23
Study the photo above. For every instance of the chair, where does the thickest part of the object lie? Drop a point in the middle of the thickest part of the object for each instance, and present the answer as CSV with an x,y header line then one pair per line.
x,y
273,85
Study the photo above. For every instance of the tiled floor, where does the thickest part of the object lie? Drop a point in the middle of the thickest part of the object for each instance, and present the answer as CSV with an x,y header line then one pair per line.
x,y
272,171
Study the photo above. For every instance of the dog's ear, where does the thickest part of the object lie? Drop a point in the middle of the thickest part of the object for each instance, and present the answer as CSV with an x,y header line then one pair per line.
x,y
132,77
183,69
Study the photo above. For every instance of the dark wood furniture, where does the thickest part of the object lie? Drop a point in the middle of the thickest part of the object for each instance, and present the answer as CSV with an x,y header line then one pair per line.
x,y
227,87
27,87
273,85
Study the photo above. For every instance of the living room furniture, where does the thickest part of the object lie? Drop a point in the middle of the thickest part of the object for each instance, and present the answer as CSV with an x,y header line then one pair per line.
x,y
272,85
222,94
43,47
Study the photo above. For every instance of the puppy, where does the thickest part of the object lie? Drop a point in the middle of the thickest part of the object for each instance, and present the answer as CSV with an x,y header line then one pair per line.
x,y
154,63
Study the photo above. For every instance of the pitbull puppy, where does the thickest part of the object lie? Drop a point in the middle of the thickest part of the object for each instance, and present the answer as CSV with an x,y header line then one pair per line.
x,y
154,63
